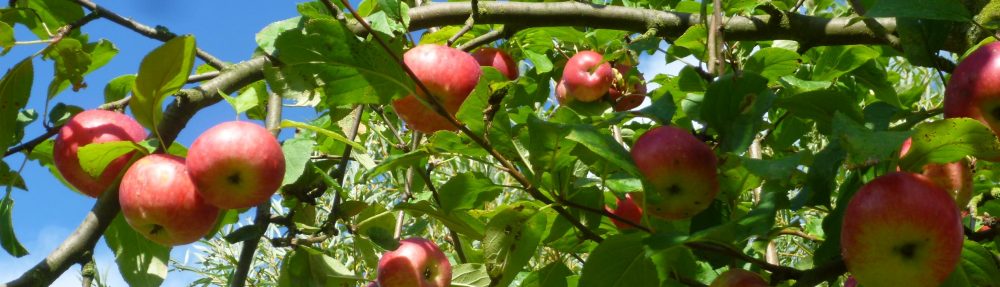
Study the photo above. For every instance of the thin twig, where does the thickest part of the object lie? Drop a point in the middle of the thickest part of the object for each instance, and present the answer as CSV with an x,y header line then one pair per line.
x,y
329,226
203,77
468,23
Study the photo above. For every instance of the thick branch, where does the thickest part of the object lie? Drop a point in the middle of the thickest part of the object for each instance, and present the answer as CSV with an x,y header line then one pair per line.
x,y
811,30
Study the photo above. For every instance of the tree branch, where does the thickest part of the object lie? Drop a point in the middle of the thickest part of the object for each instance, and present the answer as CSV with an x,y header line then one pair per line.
x,y
158,33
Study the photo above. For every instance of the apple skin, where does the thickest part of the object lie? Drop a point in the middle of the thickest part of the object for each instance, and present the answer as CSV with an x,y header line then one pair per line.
x,y
680,170
739,278
901,229
236,165
449,74
851,282
621,97
971,93
627,209
587,77
498,59
93,126
561,96
417,262
160,202
954,177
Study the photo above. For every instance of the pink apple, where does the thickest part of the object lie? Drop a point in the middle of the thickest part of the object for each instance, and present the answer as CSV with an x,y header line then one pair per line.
x,y
160,202
739,278
587,76
626,209
417,262
236,165
625,93
973,92
679,169
87,127
449,74
498,59
901,229
954,177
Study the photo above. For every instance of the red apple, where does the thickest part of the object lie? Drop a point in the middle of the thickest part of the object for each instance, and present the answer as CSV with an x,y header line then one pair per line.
x,y
236,164
159,201
851,282
954,177
498,59
679,169
449,74
901,229
739,278
587,76
417,262
87,127
626,94
628,210
972,92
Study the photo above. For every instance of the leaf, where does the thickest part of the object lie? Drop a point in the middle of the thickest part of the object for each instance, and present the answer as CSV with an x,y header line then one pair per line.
x,y
511,239
457,221
820,106
924,9
6,38
244,233
838,60
95,157
162,73
734,106
396,161
980,265
15,88
773,63
695,39
620,261
604,146
950,140
7,237
62,113
305,266
541,62
469,275
118,88
71,62
333,135
552,275
866,147
267,36
140,261
821,179
297,152
466,191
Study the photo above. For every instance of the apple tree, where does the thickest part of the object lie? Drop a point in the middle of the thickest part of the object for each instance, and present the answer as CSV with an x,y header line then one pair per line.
x,y
516,143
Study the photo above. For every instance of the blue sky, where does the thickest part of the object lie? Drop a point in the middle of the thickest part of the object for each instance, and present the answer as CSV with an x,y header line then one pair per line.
x,y
49,212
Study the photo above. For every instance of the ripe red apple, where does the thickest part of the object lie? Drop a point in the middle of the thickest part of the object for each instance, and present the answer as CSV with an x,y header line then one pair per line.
x,y
87,127
954,177
159,201
236,165
625,93
901,229
498,59
739,278
449,74
680,169
628,210
971,92
417,262
587,76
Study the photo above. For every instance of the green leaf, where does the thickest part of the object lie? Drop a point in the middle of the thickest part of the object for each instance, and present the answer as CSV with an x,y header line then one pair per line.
x,y
95,157
511,239
552,275
6,38
245,101
865,147
604,146
48,15
397,161
267,36
620,261
162,73
62,113
734,106
118,88
244,233
838,60
332,135
950,140
695,39
924,9
466,191
140,261
820,106
773,63
541,62
297,153
821,179
305,266
15,88
469,275
71,62
980,265
7,237
774,169
457,221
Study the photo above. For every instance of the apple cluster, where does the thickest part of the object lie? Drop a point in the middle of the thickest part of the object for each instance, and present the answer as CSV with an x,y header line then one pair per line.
x,y
169,199
588,78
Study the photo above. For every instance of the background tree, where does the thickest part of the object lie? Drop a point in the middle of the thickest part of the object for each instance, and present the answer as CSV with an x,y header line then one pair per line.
x,y
801,103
